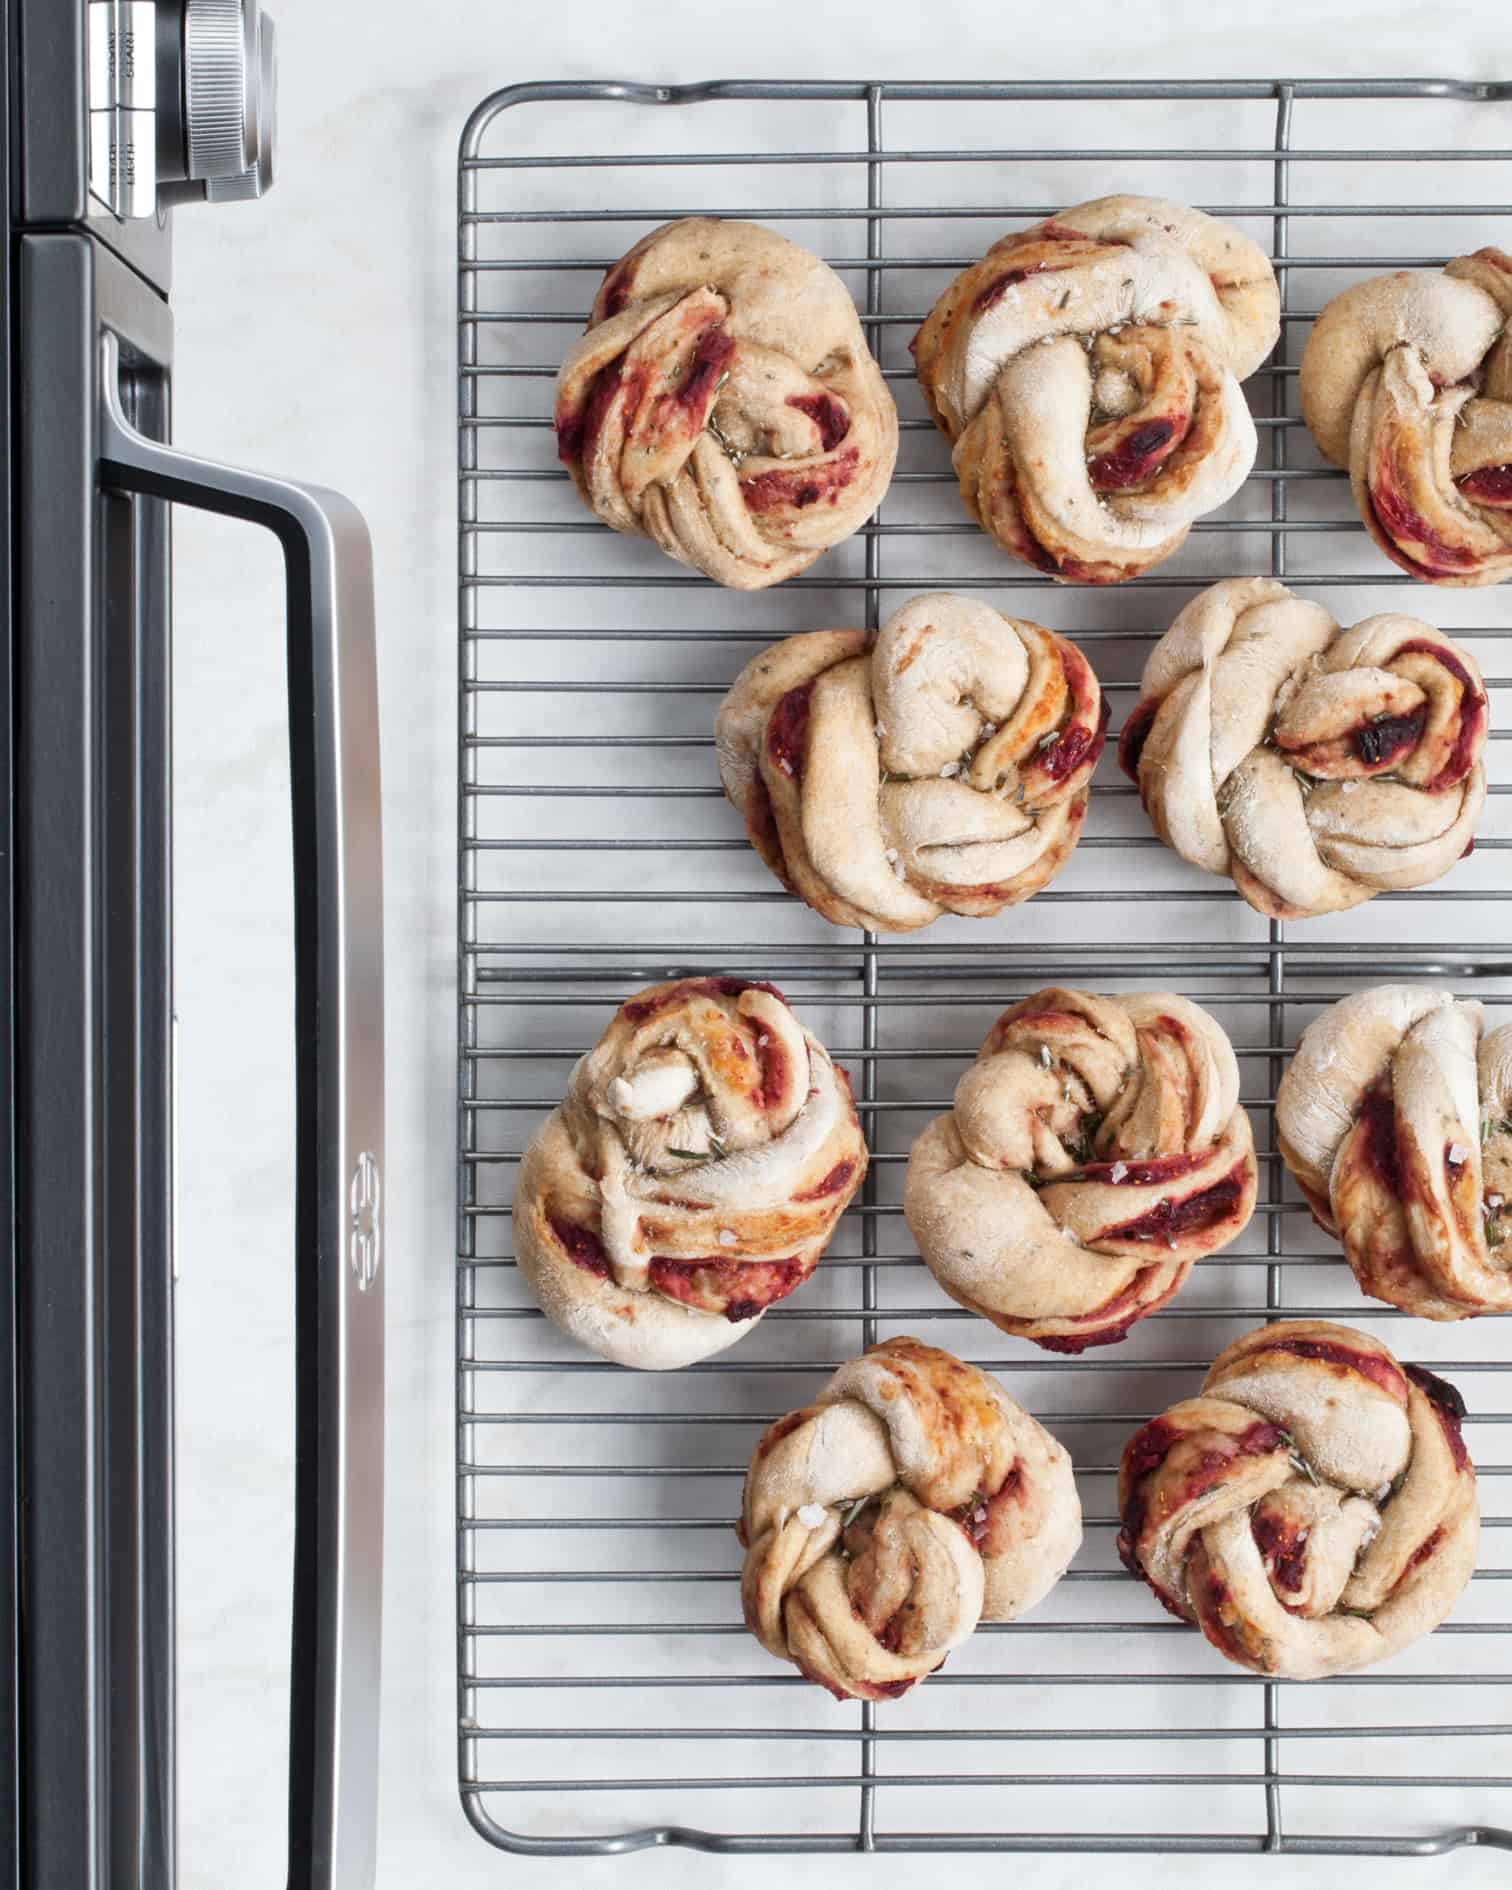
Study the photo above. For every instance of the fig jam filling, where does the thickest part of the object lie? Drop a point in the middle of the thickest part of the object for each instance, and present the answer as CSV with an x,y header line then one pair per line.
x,y
827,414
1448,1406
800,486
1135,458
1491,485
1136,732
583,1248
1198,1213
787,731
639,1009
832,1183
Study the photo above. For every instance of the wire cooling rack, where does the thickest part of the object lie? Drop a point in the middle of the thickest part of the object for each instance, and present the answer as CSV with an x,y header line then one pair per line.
x,y
608,1696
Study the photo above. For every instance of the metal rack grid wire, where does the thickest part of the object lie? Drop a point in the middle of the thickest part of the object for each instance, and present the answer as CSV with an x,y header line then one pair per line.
x,y
608,1696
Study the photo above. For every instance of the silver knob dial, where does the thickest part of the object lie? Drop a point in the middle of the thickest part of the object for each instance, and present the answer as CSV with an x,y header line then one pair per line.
x,y
229,82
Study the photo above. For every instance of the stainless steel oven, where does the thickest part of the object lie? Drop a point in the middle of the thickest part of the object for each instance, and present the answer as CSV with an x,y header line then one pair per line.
x,y
115,112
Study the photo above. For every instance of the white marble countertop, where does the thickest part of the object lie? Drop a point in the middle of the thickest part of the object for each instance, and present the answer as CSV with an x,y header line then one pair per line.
x,y
315,336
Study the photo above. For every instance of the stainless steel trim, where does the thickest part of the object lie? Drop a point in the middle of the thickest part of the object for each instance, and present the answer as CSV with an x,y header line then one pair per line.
x,y
339,1002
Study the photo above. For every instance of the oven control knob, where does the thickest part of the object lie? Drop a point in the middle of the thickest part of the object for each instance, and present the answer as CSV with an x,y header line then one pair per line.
x,y
230,80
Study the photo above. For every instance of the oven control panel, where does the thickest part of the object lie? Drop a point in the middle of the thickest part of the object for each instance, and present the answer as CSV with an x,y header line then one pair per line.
x,y
182,102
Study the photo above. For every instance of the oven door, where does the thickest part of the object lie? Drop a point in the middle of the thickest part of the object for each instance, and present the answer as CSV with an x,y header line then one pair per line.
x,y
93,1076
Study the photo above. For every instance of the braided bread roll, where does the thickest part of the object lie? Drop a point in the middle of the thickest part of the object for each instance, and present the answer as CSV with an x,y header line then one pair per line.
x,y
1315,765
1407,381
1313,1511
911,1500
1394,1117
1095,1153
1086,372
944,768
723,403
691,1177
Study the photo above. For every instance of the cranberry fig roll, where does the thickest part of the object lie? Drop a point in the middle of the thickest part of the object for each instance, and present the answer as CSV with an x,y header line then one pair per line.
x,y
723,403
1096,1151
692,1176
1406,381
1395,1116
913,1499
1086,373
1313,1510
1315,766
943,767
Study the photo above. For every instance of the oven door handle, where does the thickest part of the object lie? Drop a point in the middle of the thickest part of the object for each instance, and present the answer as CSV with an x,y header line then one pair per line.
x,y
338,924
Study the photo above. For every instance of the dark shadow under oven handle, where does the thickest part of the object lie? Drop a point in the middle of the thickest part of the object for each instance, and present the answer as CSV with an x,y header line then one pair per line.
x,y
338,922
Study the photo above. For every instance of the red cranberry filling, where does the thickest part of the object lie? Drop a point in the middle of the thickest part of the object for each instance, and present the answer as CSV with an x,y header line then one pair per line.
x,y
1378,1139
1073,747
1143,1174
800,486
1449,1407
1398,522
1138,456
1420,1555
832,1183
827,414
1380,1371
999,286
716,1283
639,1009
1136,732
787,730
1378,743
714,349
582,1247
1472,717
1284,1547
1197,1213
1491,485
